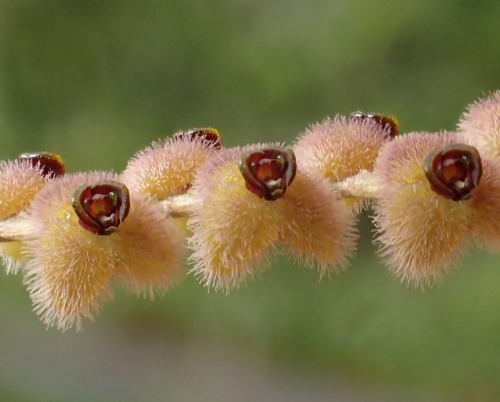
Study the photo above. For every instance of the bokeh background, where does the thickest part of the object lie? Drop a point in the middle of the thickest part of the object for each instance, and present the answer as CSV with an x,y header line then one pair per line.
x,y
98,80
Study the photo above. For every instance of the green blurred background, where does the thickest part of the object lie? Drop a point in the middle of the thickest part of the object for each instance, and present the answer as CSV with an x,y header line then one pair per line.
x,y
98,80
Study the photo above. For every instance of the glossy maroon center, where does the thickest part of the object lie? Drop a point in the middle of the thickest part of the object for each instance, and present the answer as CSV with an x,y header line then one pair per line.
x,y
268,172
102,207
454,171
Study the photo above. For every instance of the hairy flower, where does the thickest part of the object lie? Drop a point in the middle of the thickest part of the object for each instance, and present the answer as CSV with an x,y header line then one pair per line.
x,y
430,208
481,124
237,226
339,148
168,168
70,269
20,181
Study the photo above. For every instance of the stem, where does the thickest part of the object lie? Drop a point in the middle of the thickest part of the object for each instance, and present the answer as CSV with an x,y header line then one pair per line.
x,y
361,185
16,228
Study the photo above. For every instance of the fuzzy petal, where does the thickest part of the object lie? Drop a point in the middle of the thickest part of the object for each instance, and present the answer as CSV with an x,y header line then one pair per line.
x,y
12,257
318,227
152,248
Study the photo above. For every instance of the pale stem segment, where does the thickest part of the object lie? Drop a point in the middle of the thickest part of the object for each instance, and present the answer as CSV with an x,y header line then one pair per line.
x,y
361,186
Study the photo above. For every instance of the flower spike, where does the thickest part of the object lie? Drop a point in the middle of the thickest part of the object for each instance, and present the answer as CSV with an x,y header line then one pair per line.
x,y
268,172
209,135
102,207
51,165
389,123
453,171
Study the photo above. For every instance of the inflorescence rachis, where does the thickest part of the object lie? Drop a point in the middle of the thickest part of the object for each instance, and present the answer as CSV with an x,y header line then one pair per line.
x,y
73,235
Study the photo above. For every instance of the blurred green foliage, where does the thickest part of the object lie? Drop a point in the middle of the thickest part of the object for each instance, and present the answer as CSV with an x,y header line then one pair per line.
x,y
97,81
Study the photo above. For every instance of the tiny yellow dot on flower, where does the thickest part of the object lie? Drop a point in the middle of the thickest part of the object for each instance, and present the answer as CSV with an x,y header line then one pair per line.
x,y
231,179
